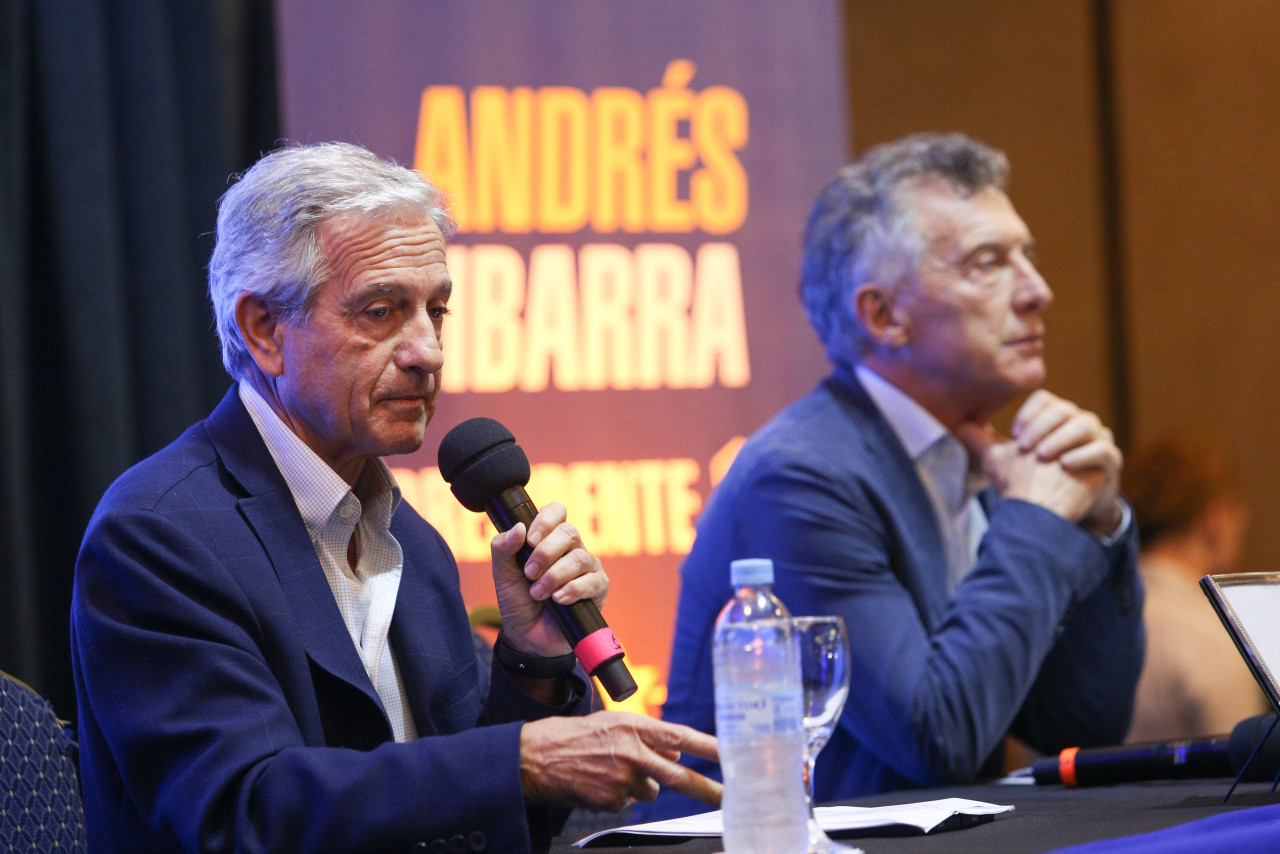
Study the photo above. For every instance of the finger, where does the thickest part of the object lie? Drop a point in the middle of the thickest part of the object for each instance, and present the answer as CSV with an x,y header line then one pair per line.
x,y
1081,429
1098,454
977,438
663,737
1049,417
576,575
548,518
680,779
550,547
593,585
645,789
1030,408
504,546
995,453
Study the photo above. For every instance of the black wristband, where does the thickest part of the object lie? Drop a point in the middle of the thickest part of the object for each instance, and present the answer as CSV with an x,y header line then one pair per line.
x,y
535,667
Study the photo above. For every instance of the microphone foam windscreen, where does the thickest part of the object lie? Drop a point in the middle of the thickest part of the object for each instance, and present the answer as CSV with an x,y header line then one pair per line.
x,y
479,459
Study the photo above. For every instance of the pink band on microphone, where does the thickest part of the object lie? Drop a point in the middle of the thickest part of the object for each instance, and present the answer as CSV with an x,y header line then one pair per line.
x,y
597,648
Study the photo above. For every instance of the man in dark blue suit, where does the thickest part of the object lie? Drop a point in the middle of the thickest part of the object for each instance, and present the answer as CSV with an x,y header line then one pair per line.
x,y
271,651
988,585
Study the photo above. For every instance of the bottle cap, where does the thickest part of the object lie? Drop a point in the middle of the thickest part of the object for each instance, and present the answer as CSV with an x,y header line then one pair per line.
x,y
751,572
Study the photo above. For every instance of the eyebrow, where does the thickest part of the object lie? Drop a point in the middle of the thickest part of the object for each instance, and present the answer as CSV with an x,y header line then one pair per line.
x,y
389,290
1028,248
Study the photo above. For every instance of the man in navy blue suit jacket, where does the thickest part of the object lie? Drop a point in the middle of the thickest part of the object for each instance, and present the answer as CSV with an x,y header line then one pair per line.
x,y
988,585
270,648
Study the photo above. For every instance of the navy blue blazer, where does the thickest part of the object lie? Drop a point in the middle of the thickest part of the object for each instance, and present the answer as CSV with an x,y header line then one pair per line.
x,y
222,703
1043,638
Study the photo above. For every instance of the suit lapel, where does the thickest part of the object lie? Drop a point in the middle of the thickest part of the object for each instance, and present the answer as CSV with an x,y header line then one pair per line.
x,y
411,628
431,636
270,512
925,556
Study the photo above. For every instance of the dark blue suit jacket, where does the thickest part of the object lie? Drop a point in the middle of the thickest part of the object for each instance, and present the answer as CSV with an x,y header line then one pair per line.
x,y
223,706
1044,637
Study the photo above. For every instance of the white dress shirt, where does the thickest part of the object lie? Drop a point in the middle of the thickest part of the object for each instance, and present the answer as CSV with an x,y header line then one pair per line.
x,y
334,513
944,467
952,480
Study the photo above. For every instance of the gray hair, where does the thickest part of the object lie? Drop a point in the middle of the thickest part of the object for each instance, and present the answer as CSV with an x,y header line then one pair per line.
x,y
267,242
862,227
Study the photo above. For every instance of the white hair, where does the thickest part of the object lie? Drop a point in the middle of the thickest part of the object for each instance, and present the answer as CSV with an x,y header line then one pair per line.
x,y
267,241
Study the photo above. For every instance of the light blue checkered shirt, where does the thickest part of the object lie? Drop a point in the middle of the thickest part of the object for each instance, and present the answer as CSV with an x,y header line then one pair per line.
x,y
333,513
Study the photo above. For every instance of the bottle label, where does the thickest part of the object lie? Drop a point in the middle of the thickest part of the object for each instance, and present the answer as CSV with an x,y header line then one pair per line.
x,y
744,713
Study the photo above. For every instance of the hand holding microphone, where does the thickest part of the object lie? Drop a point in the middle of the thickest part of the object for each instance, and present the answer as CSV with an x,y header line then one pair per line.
x,y
487,472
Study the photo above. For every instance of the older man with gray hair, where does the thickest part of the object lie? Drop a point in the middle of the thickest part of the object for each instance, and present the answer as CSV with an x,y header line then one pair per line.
x,y
988,584
271,651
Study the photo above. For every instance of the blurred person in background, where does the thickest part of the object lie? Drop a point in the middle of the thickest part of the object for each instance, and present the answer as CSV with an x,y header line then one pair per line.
x,y
989,585
1191,519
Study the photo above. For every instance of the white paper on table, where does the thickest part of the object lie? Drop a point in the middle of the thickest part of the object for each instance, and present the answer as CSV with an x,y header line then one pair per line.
x,y
925,816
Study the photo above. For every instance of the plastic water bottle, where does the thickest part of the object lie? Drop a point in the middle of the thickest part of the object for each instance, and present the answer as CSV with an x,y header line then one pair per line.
x,y
759,723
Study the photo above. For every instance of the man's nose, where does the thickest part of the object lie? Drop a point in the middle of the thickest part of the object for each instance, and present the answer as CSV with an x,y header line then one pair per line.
x,y
419,347
1032,292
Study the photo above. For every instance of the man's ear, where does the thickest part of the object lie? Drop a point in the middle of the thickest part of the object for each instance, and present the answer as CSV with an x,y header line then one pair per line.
x,y
879,316
261,328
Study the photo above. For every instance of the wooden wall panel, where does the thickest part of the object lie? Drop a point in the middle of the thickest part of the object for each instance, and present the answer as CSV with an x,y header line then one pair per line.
x,y
1019,76
1197,116
1199,131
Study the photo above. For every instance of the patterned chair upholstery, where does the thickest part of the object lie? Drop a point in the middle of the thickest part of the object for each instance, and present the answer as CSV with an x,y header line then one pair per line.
x,y
40,809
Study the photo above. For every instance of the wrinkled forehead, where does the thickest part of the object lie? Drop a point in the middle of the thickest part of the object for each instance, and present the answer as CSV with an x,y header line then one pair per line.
x,y
945,213
357,245
368,234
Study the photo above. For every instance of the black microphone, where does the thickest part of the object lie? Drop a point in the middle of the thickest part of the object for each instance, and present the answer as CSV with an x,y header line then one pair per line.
x,y
487,471
1215,756
1157,760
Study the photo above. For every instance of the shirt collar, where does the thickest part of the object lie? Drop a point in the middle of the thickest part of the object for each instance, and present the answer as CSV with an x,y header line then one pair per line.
x,y
915,426
929,444
317,489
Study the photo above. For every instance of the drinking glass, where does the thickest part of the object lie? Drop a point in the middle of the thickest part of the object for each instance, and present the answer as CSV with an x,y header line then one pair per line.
x,y
824,670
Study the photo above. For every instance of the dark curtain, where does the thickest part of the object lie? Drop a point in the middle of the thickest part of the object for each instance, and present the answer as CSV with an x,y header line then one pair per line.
x,y
120,122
